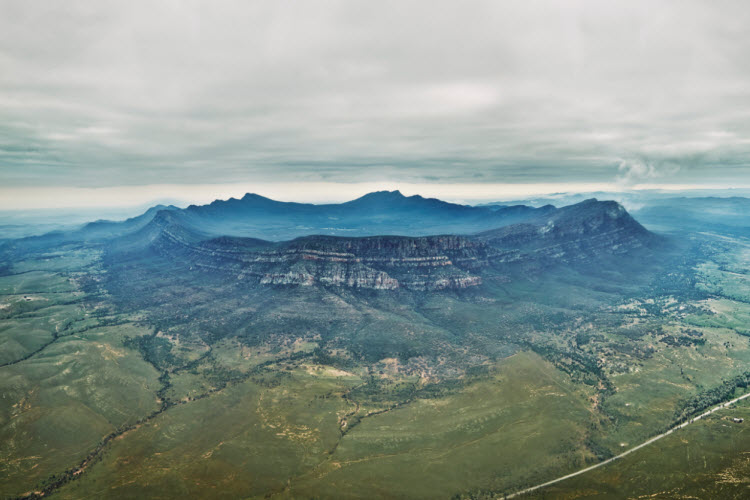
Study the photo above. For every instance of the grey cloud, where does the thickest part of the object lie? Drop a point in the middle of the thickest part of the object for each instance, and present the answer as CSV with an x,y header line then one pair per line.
x,y
107,93
635,171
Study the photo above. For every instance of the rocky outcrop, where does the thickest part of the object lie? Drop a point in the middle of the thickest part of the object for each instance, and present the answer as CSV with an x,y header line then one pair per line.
x,y
340,276
380,263
578,233
581,233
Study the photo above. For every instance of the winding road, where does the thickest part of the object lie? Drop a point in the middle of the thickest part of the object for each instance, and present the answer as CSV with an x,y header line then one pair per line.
x,y
623,454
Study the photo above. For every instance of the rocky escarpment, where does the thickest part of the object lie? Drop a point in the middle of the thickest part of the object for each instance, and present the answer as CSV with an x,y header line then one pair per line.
x,y
381,262
588,232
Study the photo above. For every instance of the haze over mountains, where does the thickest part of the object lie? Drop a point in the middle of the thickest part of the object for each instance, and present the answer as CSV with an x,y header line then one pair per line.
x,y
381,308
204,254
696,210
383,212
389,212
370,251
382,240
728,214
589,230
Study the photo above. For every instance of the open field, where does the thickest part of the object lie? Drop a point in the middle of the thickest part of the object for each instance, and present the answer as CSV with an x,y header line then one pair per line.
x,y
470,440
298,393
245,440
707,459
60,403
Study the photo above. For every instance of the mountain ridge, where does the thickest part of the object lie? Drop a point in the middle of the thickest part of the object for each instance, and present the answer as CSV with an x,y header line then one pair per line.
x,y
380,212
583,232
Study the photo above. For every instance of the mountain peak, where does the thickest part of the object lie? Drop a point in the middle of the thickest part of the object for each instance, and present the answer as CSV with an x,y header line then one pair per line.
x,y
255,197
605,224
381,195
593,206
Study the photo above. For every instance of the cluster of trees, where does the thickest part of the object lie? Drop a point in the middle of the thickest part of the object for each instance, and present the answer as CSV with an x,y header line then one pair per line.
x,y
155,350
581,366
711,397
322,356
635,332
682,341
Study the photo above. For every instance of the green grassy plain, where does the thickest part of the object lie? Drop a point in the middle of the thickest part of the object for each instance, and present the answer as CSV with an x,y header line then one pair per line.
x,y
217,391
434,448
59,404
708,459
245,440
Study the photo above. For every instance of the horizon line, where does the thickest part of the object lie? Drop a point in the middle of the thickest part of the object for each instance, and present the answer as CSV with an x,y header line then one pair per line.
x,y
124,197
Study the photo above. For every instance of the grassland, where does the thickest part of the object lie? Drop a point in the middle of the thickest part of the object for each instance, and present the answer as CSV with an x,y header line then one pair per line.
x,y
244,440
204,389
708,459
433,448
281,432
59,404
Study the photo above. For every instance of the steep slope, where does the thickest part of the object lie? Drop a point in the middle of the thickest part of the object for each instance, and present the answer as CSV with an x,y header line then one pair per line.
x,y
93,233
376,213
380,262
164,233
384,262
103,229
585,232
588,230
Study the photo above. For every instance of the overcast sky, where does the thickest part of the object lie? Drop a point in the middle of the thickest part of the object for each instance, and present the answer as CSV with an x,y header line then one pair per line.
x,y
100,94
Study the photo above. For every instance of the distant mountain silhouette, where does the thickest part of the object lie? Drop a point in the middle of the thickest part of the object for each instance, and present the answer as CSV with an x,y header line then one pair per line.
x,y
382,212
591,232
106,228
380,240
93,232
712,214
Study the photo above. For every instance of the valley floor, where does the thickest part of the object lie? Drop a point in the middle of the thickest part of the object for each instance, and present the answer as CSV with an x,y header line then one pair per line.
x,y
722,406
98,402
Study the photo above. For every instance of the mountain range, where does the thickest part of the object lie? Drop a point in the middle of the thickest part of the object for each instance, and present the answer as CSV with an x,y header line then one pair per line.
x,y
383,212
591,230
408,307
383,240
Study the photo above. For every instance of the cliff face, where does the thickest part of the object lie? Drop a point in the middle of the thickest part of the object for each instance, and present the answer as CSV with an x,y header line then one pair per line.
x,y
382,262
588,230
577,234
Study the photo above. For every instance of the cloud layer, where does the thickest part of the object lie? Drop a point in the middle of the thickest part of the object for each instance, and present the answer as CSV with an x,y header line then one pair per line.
x,y
98,93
